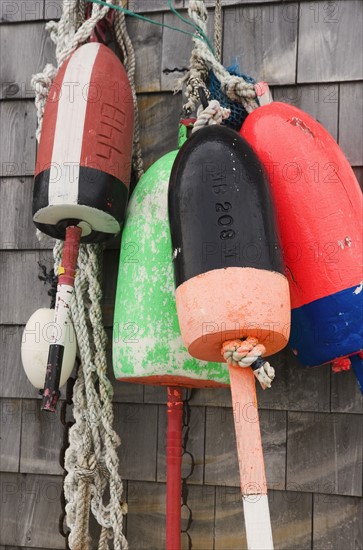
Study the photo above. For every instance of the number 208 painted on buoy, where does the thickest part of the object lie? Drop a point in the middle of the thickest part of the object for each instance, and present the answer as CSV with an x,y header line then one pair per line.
x,y
225,220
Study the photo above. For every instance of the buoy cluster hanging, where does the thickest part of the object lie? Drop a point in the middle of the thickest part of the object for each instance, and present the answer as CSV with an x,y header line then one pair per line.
x,y
232,295
203,293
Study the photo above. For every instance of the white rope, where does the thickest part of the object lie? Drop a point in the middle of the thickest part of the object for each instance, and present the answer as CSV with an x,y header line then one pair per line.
x,y
212,114
203,60
125,44
91,459
243,353
218,30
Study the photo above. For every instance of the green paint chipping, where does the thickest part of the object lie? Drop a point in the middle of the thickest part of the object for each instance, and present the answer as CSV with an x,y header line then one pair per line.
x,y
146,336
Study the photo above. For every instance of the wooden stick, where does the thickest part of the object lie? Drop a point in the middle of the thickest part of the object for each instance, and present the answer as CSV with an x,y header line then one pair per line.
x,y
250,459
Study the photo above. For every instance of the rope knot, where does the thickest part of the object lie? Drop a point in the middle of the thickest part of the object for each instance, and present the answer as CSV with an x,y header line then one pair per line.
x,y
244,353
41,82
214,113
88,471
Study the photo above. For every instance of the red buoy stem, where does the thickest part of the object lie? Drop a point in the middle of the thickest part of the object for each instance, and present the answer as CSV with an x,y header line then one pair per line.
x,y
173,468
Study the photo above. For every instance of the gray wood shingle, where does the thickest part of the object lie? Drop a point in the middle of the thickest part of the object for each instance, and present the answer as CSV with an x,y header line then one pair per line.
x,y
358,171
262,40
351,117
136,424
15,77
52,9
146,518
30,510
330,41
41,440
221,465
10,431
145,6
13,11
291,519
147,41
159,123
146,515
18,230
324,453
346,396
22,291
17,144
13,381
337,523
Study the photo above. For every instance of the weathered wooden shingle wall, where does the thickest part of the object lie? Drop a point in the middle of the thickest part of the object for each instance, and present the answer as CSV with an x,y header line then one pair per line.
x,y
311,420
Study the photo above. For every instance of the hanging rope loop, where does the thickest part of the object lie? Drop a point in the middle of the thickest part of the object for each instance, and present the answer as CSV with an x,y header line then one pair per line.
x,y
203,61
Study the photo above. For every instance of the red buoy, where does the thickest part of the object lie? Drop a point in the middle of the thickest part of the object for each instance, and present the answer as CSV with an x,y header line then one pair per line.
x,y
319,207
84,158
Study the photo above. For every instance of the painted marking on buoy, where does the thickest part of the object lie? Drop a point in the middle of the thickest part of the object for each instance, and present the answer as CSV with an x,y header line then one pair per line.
x,y
64,176
359,289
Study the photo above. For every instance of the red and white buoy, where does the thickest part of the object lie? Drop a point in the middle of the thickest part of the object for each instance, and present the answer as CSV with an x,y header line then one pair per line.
x,y
84,159
82,172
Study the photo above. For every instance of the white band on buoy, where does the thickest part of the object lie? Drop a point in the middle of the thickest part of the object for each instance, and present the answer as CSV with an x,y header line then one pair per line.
x,y
72,106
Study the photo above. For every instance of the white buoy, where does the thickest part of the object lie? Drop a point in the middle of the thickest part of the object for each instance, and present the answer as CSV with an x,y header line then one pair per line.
x,y
35,342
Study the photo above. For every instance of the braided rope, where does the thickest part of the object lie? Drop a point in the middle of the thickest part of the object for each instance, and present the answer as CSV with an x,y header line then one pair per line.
x,y
203,60
243,353
218,30
212,114
125,44
91,459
